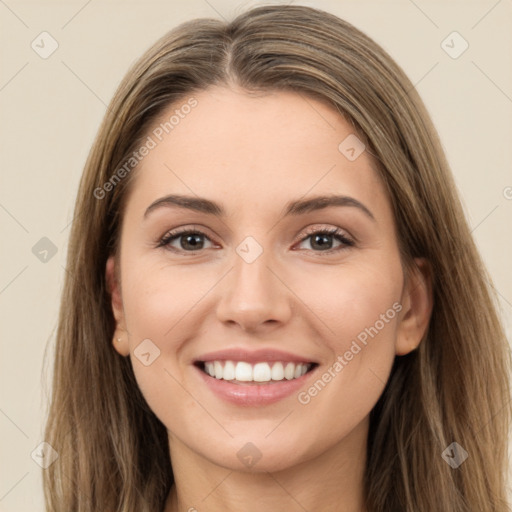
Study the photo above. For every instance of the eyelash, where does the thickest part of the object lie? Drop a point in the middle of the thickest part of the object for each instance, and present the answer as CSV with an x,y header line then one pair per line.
x,y
336,232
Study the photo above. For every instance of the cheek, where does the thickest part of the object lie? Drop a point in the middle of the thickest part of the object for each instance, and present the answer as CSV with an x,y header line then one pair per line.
x,y
359,309
156,302
351,299
156,298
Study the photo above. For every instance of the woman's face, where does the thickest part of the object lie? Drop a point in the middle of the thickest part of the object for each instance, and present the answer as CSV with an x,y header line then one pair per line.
x,y
259,290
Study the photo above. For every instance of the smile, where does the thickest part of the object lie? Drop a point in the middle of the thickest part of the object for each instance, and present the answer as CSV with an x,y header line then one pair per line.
x,y
261,372
254,384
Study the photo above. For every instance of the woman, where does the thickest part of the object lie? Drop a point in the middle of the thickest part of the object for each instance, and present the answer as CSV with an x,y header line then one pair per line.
x,y
274,300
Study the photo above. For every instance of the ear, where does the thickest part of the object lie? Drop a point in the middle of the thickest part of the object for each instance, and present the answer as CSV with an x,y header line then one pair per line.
x,y
417,304
120,339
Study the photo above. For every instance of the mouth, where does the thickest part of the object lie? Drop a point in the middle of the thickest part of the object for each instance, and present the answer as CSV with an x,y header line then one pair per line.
x,y
259,373
255,383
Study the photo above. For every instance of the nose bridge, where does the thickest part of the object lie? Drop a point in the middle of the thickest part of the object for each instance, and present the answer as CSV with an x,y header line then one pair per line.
x,y
252,294
250,279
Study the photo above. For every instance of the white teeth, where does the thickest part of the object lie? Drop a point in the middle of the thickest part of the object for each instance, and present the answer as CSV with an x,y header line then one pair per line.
x,y
218,369
209,367
259,372
243,371
229,370
289,371
277,371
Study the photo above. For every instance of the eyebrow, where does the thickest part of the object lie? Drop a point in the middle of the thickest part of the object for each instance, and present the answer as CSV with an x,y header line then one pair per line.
x,y
296,207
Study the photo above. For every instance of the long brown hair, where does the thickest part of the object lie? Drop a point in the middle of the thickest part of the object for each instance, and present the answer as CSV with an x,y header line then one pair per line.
x,y
113,451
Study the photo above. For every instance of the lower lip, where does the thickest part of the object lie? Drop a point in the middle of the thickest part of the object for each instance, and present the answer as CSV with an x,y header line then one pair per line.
x,y
252,395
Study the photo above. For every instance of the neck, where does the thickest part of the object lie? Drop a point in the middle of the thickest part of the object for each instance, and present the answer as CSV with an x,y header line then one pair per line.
x,y
332,481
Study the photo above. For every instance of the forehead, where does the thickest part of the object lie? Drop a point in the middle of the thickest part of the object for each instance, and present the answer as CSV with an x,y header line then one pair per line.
x,y
255,150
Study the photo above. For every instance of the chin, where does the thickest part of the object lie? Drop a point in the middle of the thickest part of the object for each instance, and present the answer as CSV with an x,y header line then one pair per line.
x,y
257,454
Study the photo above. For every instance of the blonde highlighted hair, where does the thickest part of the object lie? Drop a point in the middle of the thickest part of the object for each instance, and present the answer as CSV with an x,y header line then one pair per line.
x,y
113,451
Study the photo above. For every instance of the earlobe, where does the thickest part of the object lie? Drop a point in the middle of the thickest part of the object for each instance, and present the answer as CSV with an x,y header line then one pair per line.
x,y
120,337
417,306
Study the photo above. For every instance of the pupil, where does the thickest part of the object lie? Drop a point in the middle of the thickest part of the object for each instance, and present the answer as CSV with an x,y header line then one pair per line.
x,y
322,245
192,241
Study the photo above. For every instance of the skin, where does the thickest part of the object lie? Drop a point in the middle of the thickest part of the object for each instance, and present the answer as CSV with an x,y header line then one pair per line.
x,y
253,154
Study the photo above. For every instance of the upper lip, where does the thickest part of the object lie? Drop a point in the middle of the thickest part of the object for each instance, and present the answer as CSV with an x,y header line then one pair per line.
x,y
252,356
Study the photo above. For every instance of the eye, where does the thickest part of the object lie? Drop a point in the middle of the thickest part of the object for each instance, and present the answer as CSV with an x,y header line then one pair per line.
x,y
192,240
322,240
188,240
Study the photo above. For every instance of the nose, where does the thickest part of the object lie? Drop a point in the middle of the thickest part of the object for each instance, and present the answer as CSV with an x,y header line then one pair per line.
x,y
254,296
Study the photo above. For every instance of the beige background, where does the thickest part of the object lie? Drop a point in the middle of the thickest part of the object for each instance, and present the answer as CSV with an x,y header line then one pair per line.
x,y
51,108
